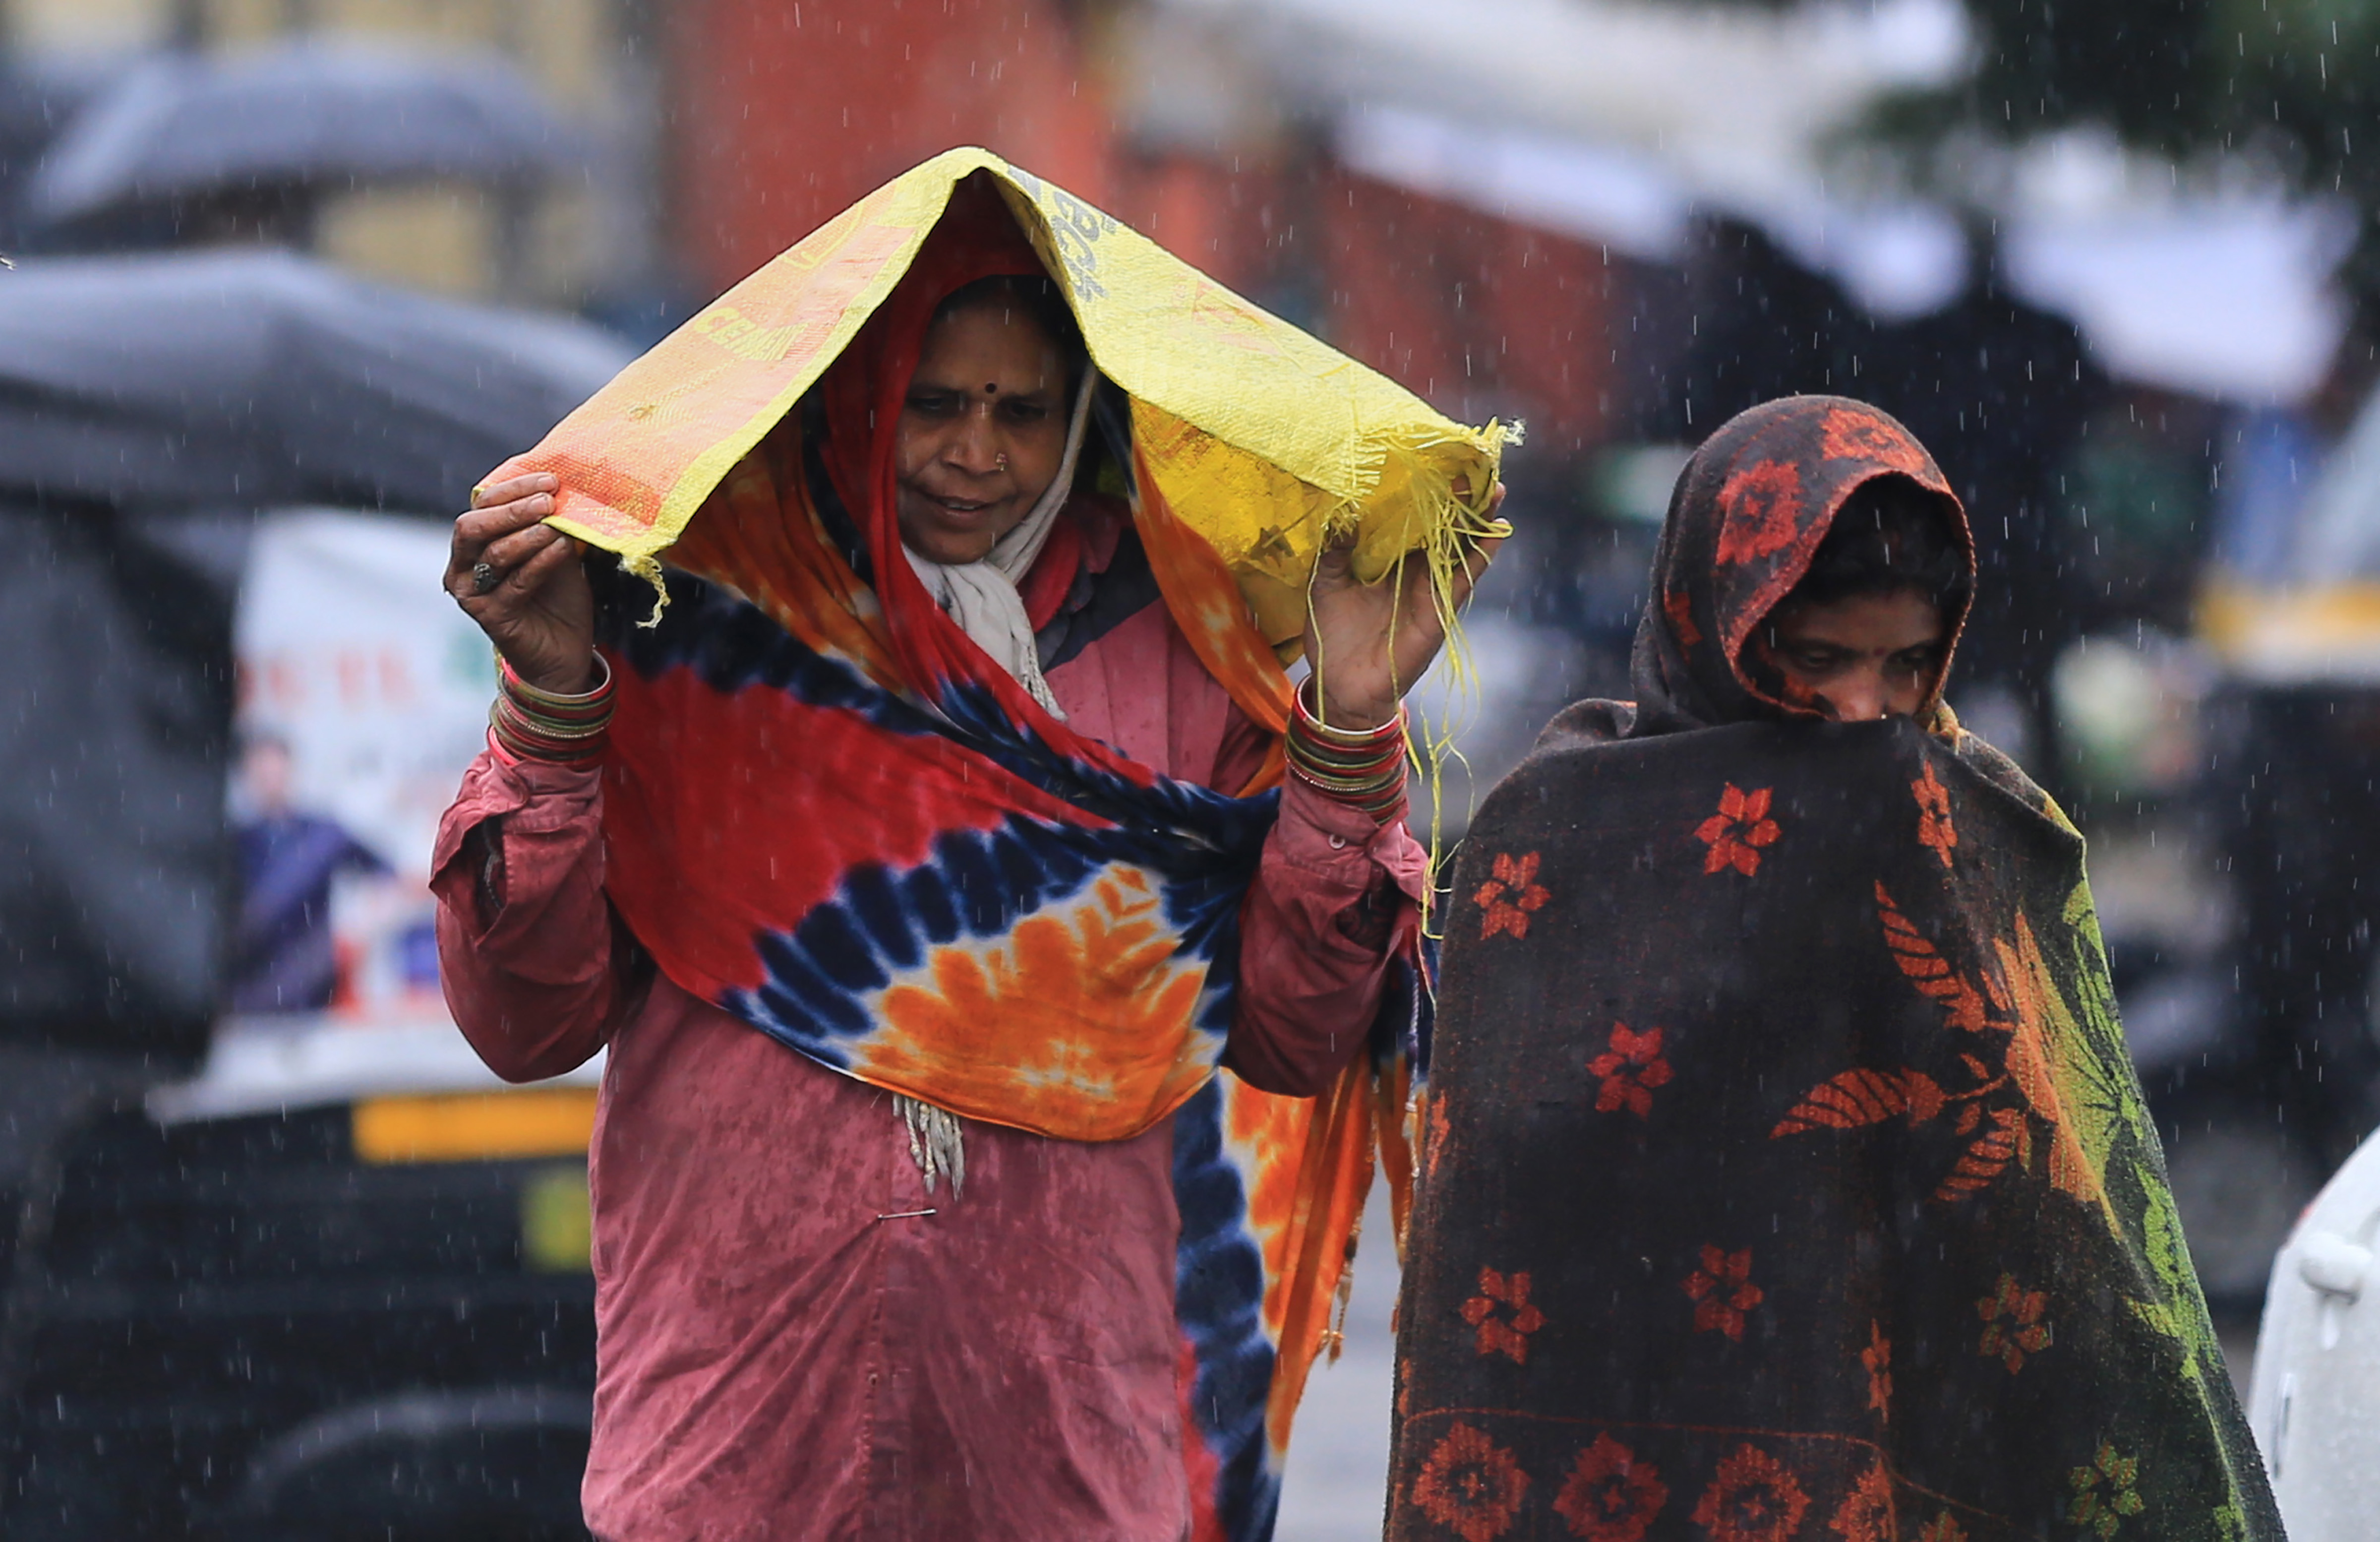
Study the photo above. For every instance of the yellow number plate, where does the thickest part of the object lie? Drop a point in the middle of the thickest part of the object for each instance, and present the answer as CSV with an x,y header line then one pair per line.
x,y
475,1127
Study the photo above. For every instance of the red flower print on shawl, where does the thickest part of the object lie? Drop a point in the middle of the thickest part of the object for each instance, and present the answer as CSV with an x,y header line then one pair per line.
x,y
1851,435
1877,1360
1631,1069
1498,1333
1754,1498
1610,1494
1866,1514
2012,1324
1723,1291
1761,510
1470,1485
1934,827
1737,832
1942,1528
1510,896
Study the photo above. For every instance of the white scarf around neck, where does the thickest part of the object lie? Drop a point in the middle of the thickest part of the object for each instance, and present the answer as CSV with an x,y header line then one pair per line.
x,y
981,596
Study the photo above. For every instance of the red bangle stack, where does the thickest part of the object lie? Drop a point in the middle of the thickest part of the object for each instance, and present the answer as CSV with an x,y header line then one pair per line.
x,y
1365,767
548,724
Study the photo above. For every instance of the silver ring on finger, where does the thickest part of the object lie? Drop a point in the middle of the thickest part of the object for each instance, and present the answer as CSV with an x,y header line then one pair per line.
x,y
484,577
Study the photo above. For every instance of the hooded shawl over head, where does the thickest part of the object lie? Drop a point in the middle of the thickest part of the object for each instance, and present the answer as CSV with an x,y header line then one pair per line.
x,y
1745,518
1781,1170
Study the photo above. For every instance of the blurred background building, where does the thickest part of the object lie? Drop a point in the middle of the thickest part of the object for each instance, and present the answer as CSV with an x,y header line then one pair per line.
x,y
2114,263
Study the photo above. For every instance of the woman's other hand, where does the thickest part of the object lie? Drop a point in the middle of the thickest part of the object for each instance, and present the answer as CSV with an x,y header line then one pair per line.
x,y
522,582
1368,642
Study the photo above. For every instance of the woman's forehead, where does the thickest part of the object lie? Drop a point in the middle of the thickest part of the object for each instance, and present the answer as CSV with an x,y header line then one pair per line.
x,y
1892,619
991,315
1005,339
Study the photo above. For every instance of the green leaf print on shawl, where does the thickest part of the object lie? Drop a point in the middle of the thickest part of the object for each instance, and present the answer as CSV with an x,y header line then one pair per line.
x,y
2146,1217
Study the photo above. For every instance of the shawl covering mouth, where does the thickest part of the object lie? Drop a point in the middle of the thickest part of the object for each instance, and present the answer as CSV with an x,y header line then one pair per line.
x,y
829,812
1783,1173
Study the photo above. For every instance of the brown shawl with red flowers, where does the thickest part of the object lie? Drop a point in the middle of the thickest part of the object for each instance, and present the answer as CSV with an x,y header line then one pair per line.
x,y
1783,1172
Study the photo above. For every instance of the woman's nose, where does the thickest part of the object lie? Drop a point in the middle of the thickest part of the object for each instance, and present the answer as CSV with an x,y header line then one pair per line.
x,y
974,442
1861,699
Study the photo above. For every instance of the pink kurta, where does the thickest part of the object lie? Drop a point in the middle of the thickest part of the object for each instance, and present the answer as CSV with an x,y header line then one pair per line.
x,y
785,1347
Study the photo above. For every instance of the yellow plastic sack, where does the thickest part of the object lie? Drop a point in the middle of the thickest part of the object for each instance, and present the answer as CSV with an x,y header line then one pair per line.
x,y
1265,440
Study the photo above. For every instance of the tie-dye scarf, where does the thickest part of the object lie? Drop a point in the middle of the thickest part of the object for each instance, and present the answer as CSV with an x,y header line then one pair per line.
x,y
829,813
1783,1172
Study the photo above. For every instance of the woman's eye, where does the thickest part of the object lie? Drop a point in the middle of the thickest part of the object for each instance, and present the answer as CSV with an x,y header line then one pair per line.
x,y
1024,411
933,404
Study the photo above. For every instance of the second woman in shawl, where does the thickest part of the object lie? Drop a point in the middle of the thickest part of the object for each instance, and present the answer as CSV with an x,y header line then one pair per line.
x,y
1783,1172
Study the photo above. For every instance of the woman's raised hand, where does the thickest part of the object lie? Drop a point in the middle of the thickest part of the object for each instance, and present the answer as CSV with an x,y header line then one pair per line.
x,y
522,582
1368,643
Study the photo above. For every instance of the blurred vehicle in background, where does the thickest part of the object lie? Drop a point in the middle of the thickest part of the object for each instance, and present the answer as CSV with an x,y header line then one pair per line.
x,y
2317,1359
334,1287
2216,760
2224,748
150,407
311,1272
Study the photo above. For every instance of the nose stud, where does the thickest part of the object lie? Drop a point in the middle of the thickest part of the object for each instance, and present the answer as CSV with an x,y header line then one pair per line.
x,y
1001,462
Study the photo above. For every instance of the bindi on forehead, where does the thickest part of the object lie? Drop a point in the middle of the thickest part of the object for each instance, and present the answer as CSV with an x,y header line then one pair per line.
x,y
993,390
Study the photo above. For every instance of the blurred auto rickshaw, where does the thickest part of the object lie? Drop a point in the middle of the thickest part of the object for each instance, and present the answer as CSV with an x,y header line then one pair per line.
x,y
309,1274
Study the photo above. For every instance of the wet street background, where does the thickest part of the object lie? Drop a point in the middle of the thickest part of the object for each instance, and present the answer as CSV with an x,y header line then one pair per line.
x,y
1336,1487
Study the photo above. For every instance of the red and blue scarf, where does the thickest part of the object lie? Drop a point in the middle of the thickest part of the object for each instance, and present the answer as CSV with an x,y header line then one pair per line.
x,y
830,813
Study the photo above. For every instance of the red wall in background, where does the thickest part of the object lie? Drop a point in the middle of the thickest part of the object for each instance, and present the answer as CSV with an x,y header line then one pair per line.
x,y
786,111
1478,315
789,110
1231,223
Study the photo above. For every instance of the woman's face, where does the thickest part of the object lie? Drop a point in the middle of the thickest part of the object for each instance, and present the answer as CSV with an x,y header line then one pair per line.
x,y
981,432
1859,658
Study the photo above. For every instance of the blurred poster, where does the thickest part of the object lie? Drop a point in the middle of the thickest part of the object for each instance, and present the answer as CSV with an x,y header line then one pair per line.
x,y
363,694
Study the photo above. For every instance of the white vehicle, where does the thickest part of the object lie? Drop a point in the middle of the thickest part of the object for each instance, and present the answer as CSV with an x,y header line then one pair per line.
x,y
2315,1406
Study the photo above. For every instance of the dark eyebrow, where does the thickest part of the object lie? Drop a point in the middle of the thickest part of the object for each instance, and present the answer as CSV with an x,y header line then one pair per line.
x,y
1041,394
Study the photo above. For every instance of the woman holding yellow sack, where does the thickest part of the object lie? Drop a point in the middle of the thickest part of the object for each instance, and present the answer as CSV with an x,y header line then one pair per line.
x,y
953,764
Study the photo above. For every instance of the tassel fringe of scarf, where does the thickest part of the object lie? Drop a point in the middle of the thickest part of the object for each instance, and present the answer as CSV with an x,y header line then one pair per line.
x,y
934,1140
